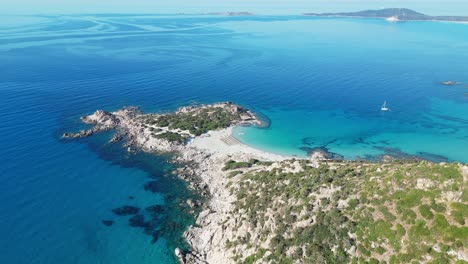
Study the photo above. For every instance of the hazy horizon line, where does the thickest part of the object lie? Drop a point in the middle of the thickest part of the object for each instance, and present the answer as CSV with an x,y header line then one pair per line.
x,y
9,14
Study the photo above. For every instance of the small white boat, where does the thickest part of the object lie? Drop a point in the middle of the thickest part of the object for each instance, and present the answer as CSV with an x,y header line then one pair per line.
x,y
392,19
384,107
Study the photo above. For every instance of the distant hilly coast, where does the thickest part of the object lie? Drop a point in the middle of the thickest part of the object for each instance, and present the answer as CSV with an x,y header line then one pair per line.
x,y
230,13
393,14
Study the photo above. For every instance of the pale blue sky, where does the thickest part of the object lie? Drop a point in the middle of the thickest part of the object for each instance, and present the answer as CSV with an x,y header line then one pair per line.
x,y
449,7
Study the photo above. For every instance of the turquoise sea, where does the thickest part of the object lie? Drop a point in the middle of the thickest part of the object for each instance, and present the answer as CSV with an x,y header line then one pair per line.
x,y
320,82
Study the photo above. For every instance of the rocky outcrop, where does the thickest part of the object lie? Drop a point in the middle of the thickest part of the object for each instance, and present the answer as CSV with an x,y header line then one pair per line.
x,y
81,133
321,153
138,129
101,120
201,168
189,257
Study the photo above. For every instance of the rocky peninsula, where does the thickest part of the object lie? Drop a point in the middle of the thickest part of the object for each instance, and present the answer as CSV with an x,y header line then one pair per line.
x,y
393,15
268,208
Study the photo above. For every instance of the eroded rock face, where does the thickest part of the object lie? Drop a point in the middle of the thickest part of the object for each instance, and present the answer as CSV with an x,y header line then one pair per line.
x,y
80,134
101,120
189,257
424,184
116,138
464,170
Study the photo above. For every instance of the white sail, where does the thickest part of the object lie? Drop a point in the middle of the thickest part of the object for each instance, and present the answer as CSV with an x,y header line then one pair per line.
x,y
384,107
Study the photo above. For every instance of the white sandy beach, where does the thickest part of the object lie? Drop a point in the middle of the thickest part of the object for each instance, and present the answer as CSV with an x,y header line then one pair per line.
x,y
213,143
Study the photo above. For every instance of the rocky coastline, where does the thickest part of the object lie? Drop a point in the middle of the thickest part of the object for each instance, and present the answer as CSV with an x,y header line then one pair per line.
x,y
201,157
266,208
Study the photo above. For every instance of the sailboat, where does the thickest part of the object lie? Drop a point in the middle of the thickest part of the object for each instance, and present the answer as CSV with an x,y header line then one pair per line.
x,y
384,107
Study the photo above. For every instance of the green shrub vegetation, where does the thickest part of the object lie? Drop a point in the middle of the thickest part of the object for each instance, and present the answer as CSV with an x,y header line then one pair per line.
x,y
234,173
232,165
197,124
390,217
180,126
425,211
172,137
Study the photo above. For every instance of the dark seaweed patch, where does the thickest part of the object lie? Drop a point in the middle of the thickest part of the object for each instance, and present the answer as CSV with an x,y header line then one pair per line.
x,y
308,141
126,210
360,141
330,142
433,157
152,186
107,222
154,210
138,221
384,142
397,154
453,119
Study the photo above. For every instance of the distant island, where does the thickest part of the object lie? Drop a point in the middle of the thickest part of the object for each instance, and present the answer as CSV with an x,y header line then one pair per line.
x,y
393,14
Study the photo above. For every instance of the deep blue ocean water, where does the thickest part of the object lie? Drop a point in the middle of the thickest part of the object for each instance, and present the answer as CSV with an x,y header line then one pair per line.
x,y
320,82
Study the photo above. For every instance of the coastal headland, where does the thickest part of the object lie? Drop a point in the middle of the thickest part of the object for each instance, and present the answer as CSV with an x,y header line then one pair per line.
x,y
268,208
393,15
